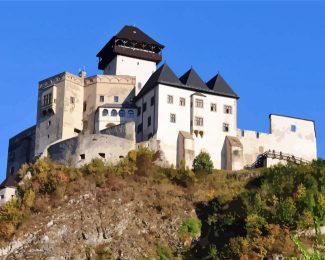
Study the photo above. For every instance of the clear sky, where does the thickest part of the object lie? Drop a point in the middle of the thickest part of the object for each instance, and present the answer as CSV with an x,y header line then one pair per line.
x,y
271,53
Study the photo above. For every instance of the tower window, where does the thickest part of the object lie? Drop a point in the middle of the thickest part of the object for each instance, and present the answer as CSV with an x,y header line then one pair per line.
x,y
102,155
199,121
144,107
199,103
139,85
49,123
213,107
139,111
115,98
182,102
85,106
170,99
227,109
173,118
12,170
139,128
293,128
82,156
113,112
101,99
130,114
243,133
225,127
122,113
149,121
72,100
105,112
152,101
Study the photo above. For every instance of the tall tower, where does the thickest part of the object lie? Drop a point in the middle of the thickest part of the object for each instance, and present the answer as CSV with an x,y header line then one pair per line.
x,y
131,52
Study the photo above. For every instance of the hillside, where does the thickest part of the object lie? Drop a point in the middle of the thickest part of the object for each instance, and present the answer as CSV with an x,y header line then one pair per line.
x,y
136,210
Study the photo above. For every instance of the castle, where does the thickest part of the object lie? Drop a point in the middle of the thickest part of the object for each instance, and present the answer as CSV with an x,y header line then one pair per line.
x,y
133,103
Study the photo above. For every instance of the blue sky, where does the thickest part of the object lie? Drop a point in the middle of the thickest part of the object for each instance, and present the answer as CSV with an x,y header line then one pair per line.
x,y
271,53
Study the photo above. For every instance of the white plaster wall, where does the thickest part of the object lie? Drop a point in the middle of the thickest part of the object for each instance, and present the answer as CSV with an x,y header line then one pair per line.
x,y
213,138
141,69
301,143
8,193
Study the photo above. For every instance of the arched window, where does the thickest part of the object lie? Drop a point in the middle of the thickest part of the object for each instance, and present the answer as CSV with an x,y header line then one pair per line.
x,y
114,112
105,112
122,113
130,114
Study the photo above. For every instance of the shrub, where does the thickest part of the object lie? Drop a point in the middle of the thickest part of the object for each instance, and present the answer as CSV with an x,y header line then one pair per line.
x,y
203,163
285,213
163,252
190,227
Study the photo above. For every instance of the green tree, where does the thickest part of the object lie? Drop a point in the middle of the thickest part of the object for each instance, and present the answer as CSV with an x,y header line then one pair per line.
x,y
203,163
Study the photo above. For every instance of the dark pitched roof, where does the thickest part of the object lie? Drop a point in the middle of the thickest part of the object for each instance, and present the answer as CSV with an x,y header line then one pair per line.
x,y
220,86
192,79
8,182
133,33
162,75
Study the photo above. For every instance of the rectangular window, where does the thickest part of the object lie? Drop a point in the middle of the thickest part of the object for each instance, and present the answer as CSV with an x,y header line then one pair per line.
x,y
170,99
199,121
227,109
85,106
152,101
243,133
182,102
72,100
139,128
149,121
139,111
116,99
173,118
144,107
199,103
213,107
225,127
293,128
2,197
101,99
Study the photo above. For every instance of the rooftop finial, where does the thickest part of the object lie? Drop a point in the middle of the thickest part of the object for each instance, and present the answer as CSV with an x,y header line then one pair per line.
x,y
82,72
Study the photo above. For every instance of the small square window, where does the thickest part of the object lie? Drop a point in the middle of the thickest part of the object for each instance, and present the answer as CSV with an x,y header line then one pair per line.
x,y
82,156
144,107
199,121
101,99
115,98
173,118
2,197
199,103
139,128
149,121
293,128
213,107
182,102
170,99
225,127
152,101
227,109
72,100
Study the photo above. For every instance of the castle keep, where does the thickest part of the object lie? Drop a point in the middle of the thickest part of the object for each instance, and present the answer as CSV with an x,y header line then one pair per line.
x,y
135,103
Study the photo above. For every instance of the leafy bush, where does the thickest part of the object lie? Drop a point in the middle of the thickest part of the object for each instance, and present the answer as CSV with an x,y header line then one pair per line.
x,y
190,227
203,163
163,252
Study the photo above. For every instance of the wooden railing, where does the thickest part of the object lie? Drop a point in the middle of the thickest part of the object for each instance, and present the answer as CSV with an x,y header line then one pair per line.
x,y
275,155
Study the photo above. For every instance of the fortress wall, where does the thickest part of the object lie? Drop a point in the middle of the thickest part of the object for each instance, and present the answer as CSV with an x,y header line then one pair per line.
x,y
124,130
80,150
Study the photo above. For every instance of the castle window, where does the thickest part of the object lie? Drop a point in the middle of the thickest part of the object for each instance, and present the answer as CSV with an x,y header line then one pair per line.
x,y
149,121
130,114
293,128
101,99
144,107
139,111
199,121
76,130
47,99
242,132
139,128
72,100
170,99
113,112
122,113
116,99
85,106
213,107
152,101
49,123
257,135
173,118
227,109
199,103
2,197
182,102
48,136
102,155
225,127
82,156
105,112
12,170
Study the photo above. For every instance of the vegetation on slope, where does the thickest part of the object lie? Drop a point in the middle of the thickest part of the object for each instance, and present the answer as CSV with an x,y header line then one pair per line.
x,y
238,215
